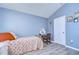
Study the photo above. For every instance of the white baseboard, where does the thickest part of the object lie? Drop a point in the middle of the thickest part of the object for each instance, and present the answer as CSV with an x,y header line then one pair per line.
x,y
52,41
68,46
72,48
56,42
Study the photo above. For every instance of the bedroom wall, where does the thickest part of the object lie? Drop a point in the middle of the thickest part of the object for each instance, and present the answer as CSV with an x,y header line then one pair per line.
x,y
72,29
20,23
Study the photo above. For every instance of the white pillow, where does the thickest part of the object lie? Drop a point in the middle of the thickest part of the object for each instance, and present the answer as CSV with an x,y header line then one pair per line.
x,y
4,48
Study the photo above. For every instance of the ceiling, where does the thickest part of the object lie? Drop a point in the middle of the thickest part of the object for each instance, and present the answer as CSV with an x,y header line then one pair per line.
x,y
39,9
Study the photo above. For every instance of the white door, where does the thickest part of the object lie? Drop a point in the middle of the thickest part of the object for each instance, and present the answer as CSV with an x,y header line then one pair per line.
x,y
59,30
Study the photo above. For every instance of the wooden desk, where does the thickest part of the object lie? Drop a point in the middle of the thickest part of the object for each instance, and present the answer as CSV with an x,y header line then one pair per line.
x,y
46,38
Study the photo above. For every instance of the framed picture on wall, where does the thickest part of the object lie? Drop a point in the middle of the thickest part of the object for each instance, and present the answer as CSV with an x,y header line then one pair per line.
x,y
69,18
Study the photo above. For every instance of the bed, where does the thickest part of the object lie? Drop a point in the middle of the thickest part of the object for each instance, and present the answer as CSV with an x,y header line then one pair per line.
x,y
20,46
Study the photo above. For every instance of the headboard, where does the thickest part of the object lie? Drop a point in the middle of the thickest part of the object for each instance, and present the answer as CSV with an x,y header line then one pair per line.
x,y
6,36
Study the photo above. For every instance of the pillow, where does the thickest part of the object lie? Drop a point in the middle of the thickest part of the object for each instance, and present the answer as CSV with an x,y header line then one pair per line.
x,y
6,36
4,48
13,34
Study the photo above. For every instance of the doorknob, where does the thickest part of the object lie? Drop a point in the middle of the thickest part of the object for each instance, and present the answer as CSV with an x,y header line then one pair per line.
x,y
63,32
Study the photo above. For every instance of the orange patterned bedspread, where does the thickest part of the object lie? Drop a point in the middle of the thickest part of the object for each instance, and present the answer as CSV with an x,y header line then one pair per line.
x,y
23,45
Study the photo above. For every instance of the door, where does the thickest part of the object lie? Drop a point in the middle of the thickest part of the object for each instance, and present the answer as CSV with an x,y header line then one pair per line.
x,y
59,30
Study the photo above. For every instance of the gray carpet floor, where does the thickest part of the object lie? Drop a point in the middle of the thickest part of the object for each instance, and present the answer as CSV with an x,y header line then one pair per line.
x,y
54,49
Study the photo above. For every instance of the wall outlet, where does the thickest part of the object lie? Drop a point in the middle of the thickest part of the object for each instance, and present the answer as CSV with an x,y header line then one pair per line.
x,y
71,41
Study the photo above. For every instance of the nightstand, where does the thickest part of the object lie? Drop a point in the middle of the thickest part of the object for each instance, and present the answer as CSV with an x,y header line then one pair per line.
x,y
3,48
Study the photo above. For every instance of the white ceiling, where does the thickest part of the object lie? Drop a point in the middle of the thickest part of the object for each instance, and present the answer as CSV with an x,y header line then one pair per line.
x,y
39,9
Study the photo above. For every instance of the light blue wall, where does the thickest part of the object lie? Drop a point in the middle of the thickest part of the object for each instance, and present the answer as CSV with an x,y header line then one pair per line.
x,y
20,23
72,29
